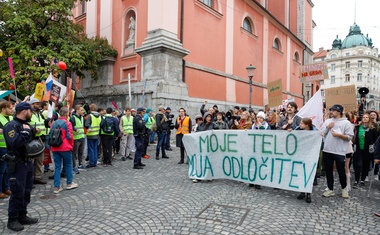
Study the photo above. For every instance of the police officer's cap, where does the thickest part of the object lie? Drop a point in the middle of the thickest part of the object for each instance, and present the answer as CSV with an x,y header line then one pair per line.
x,y
141,109
23,106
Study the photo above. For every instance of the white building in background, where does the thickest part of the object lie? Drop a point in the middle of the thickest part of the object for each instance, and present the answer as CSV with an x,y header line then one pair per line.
x,y
355,61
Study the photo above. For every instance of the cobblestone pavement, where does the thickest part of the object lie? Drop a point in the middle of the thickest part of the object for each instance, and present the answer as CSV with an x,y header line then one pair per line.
x,y
160,199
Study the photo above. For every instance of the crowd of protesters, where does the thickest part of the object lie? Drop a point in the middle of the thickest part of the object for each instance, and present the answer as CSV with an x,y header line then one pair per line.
x,y
93,136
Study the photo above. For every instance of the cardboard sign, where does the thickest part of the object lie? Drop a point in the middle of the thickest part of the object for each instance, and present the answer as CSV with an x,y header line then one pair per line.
x,y
345,96
279,159
314,72
275,93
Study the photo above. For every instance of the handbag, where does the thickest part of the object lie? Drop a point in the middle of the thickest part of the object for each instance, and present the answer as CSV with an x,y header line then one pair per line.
x,y
371,148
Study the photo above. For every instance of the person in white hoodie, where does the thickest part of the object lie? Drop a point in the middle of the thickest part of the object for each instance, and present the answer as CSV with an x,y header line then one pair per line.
x,y
337,132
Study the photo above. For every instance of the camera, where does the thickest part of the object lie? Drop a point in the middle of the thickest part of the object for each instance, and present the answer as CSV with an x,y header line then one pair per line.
x,y
232,117
171,115
7,158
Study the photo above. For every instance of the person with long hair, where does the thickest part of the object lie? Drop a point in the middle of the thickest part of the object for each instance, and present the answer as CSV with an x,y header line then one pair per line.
x,y
365,136
307,125
245,122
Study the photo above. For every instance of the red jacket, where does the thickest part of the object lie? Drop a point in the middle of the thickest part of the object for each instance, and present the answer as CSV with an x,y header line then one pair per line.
x,y
67,135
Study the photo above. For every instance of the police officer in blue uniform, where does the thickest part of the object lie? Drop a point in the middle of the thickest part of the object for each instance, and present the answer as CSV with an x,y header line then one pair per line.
x,y
140,133
17,133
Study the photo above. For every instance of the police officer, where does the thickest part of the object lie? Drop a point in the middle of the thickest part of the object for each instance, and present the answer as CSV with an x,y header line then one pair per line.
x,y
17,133
140,133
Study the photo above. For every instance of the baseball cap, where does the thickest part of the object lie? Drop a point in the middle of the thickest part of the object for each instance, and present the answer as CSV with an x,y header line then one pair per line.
x,y
337,107
34,100
140,109
168,108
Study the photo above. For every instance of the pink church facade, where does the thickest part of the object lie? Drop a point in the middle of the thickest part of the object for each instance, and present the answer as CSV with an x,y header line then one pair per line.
x,y
189,51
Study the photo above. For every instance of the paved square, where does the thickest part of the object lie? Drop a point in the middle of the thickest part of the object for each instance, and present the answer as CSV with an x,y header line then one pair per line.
x,y
224,214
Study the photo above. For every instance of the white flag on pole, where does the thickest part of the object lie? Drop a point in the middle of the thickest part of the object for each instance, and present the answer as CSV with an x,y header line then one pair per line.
x,y
313,109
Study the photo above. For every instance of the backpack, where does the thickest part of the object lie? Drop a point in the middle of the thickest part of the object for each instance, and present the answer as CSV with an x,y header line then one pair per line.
x,y
154,126
108,125
55,137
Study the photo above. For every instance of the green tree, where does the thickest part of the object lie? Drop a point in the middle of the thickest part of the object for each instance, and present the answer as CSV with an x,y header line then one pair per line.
x,y
36,32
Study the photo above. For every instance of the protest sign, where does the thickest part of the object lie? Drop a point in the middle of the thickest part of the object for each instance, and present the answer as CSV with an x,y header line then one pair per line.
x,y
39,91
344,95
278,159
275,93
54,93
314,72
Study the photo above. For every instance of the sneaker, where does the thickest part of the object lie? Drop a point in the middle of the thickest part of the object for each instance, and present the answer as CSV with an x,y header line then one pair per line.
x,y
196,181
345,193
362,183
76,171
329,193
57,190
366,179
356,185
72,186
146,156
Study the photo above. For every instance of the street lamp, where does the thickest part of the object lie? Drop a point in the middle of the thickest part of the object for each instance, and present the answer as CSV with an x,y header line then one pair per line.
x,y
250,71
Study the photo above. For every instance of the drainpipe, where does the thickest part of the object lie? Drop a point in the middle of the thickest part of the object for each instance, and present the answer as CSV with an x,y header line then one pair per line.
x,y
181,39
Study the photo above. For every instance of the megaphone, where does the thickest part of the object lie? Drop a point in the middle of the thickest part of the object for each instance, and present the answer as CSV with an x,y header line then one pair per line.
x,y
363,91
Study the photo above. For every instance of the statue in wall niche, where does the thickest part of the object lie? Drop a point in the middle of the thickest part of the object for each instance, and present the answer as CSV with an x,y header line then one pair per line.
x,y
132,29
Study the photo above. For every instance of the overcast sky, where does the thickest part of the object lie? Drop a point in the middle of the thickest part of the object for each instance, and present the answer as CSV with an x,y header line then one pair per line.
x,y
334,17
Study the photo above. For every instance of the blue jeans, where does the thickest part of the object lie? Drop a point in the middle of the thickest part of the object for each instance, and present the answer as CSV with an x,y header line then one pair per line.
x,y
92,145
4,180
151,137
67,158
161,143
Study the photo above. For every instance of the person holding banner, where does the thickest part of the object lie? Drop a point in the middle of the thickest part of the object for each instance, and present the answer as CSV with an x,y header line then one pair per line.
x,y
307,125
183,126
245,122
260,123
337,132
290,121
207,123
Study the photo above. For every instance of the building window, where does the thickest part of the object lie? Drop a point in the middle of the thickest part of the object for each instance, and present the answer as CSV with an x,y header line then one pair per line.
x,y
247,25
322,82
207,2
360,63
360,77
333,56
322,92
347,78
332,79
83,6
277,44
296,57
347,65
347,54
332,67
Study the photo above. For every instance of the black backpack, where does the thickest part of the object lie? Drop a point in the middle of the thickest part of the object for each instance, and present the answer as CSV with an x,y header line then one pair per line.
x,y
55,137
108,125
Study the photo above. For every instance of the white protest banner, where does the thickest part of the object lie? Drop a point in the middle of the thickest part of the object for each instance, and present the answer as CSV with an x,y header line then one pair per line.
x,y
278,159
313,109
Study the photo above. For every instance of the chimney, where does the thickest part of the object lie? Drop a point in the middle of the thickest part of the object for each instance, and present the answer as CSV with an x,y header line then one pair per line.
x,y
321,49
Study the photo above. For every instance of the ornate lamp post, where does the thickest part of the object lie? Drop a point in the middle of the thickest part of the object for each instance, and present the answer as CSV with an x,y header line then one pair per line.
x,y
250,71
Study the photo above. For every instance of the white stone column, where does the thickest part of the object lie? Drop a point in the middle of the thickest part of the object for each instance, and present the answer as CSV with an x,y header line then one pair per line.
x,y
162,52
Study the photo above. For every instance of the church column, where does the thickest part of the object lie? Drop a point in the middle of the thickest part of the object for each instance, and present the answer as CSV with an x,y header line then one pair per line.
x,y
161,51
